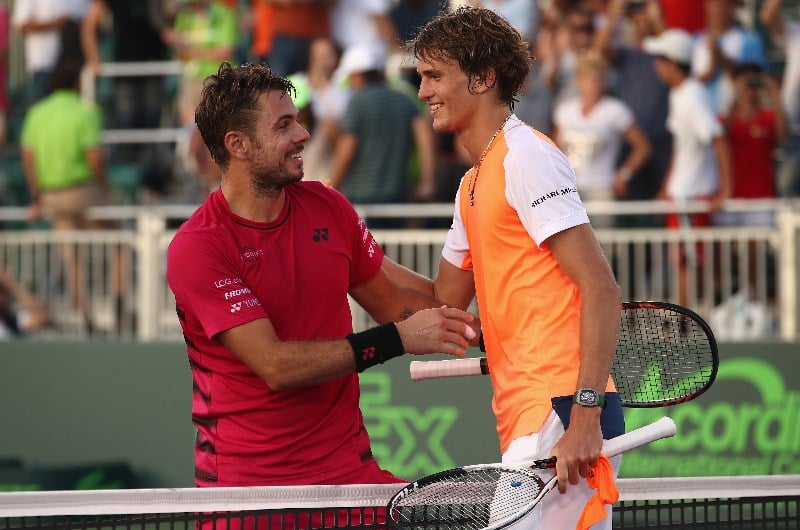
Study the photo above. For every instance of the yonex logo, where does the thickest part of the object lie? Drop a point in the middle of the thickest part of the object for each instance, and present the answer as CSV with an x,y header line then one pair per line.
x,y
236,307
368,353
320,234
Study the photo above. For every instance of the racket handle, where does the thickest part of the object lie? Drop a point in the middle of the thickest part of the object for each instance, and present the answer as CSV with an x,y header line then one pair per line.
x,y
663,428
449,368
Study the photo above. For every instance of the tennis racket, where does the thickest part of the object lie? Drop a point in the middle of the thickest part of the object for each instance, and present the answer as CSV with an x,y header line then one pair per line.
x,y
666,354
492,496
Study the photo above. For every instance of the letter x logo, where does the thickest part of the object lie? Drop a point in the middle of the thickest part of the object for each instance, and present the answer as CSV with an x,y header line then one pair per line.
x,y
368,353
320,234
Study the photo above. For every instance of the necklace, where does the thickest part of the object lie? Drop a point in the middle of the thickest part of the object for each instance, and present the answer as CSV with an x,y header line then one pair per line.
x,y
474,179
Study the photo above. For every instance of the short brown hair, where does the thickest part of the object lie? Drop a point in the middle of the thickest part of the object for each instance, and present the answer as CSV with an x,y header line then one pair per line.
x,y
477,39
229,101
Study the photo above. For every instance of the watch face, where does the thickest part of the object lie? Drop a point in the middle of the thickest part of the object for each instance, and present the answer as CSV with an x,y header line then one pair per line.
x,y
587,397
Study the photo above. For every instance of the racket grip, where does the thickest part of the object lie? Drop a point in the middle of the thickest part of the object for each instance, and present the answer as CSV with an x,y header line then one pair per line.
x,y
663,428
449,368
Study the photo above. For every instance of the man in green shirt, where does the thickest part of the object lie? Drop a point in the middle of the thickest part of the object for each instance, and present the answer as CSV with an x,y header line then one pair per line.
x,y
64,165
61,153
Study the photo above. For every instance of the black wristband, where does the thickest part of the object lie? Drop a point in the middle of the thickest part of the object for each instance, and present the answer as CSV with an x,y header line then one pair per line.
x,y
376,345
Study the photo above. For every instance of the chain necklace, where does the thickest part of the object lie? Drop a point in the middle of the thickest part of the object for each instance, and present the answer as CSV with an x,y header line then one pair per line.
x,y
474,179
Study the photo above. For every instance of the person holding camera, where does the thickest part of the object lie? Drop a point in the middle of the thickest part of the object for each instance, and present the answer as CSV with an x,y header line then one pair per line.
x,y
754,126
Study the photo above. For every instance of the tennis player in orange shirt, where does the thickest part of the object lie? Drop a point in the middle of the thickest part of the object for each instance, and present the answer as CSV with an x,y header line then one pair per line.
x,y
521,241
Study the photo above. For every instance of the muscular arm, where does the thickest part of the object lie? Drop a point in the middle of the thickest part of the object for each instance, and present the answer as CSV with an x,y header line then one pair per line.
x,y
580,256
285,364
453,287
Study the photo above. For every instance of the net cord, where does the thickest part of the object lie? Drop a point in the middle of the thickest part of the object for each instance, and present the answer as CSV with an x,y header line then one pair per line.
x,y
190,500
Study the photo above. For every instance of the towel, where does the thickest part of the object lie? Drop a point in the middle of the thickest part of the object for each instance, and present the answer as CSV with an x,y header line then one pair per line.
x,y
602,480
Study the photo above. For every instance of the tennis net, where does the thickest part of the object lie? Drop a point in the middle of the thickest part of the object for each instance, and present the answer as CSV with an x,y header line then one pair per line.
x,y
743,503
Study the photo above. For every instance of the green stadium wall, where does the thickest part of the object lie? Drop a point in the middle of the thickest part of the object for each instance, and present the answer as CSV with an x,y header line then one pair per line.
x,y
103,415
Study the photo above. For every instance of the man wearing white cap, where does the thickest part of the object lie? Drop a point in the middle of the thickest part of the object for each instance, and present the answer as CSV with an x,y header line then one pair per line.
x,y
700,166
378,133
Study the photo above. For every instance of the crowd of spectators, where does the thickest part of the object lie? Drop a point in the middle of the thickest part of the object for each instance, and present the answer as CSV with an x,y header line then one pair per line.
x,y
607,84
593,88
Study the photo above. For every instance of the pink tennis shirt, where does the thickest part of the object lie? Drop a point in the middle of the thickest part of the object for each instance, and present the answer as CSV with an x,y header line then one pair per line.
x,y
296,271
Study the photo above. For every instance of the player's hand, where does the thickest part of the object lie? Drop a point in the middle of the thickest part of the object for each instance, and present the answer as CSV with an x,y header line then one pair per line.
x,y
438,330
579,448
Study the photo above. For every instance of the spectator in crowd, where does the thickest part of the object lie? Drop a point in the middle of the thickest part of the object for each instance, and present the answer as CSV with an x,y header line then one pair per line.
x,y
261,30
41,22
640,88
64,167
21,311
137,101
368,23
701,167
410,15
322,104
295,24
786,31
755,126
536,97
683,14
377,134
719,47
522,14
203,36
269,336
591,128
574,36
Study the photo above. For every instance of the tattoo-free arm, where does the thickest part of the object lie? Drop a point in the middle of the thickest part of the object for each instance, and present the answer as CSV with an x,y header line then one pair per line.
x,y
580,256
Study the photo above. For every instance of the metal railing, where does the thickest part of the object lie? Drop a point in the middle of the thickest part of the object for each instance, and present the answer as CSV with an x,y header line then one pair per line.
x,y
746,285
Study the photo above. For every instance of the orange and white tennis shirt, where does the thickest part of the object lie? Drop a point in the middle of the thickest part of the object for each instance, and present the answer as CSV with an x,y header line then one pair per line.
x,y
524,192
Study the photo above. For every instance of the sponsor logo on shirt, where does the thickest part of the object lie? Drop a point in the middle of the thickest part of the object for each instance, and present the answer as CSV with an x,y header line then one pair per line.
x,y
250,254
320,234
552,194
226,282
250,302
237,292
367,238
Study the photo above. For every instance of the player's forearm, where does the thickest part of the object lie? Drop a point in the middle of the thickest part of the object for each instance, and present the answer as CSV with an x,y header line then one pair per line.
x,y
289,365
600,316
407,279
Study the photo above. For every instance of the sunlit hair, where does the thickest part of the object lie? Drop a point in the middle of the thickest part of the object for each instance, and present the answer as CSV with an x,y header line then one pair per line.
x,y
229,102
590,62
477,39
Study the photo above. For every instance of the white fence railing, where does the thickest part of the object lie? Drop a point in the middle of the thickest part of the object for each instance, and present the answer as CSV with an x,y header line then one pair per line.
x,y
746,285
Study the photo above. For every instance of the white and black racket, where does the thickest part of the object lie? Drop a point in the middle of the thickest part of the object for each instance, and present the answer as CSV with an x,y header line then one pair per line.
x,y
666,354
492,496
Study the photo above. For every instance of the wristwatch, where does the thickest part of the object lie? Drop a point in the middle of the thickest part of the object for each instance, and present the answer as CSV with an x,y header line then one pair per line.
x,y
589,397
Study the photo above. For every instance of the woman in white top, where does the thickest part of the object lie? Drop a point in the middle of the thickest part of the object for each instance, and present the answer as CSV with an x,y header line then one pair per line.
x,y
591,128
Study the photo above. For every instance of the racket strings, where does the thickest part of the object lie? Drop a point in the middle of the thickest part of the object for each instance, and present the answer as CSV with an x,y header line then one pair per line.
x,y
661,355
469,500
